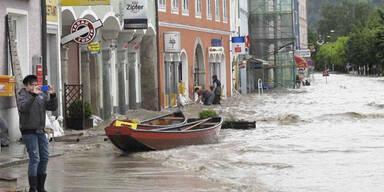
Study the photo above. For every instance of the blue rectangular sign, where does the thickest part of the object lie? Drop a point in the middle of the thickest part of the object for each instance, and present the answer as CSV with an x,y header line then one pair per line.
x,y
238,39
216,43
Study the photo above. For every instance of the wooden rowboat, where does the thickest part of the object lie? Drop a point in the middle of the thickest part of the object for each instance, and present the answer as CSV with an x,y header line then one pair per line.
x,y
194,133
119,134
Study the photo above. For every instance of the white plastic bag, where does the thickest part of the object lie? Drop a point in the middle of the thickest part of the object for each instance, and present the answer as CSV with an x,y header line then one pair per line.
x,y
52,123
96,120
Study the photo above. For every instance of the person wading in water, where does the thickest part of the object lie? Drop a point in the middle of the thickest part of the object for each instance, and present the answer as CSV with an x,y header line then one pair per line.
x,y
216,89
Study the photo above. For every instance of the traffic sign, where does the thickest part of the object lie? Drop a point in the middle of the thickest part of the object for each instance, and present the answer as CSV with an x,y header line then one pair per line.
x,y
83,31
238,45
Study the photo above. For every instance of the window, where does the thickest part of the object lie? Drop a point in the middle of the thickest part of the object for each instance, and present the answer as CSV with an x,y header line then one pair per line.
x,y
162,5
185,7
198,8
175,6
20,28
209,9
225,11
217,10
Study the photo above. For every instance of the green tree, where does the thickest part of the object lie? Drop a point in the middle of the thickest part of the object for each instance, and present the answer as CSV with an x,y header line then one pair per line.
x,y
342,18
379,46
313,37
332,55
362,45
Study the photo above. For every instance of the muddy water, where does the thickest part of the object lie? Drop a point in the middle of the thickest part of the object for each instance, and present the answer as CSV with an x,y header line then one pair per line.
x,y
323,137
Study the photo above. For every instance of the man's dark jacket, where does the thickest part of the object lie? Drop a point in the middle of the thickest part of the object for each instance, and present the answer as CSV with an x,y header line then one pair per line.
x,y
32,108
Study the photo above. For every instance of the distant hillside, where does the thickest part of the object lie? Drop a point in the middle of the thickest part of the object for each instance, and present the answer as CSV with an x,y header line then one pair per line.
x,y
314,8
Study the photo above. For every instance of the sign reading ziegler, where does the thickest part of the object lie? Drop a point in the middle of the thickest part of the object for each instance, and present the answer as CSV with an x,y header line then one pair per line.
x,y
84,2
134,14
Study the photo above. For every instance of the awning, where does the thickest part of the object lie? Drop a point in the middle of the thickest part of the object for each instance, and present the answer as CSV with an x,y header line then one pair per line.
x,y
301,63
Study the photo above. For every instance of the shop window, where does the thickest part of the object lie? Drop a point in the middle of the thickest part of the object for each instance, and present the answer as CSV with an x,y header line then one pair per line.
x,y
180,70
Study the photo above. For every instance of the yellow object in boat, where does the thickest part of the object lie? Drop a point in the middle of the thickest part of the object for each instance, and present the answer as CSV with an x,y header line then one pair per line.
x,y
132,124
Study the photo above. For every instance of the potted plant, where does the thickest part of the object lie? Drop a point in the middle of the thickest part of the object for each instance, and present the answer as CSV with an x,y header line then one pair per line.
x,y
75,115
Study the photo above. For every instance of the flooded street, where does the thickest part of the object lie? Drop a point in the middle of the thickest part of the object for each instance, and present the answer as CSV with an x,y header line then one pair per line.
x,y
323,137
320,138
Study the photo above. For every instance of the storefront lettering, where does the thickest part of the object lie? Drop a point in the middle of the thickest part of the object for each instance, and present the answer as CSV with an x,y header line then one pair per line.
x,y
51,10
134,7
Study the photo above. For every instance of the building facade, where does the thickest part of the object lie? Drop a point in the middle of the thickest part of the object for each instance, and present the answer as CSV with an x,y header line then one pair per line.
x,y
272,29
26,18
301,27
123,74
194,44
303,22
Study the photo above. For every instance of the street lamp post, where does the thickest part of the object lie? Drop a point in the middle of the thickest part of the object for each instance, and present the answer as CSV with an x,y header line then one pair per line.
x,y
333,64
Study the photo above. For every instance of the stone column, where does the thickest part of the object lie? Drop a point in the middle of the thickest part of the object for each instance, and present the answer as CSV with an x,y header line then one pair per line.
x,y
124,40
95,84
121,55
85,76
149,71
132,80
64,64
177,76
109,36
64,76
107,97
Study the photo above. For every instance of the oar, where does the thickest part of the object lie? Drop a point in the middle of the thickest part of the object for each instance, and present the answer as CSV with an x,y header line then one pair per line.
x,y
197,124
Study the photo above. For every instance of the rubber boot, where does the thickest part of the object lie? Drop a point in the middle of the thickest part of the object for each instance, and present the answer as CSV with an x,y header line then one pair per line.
x,y
40,182
32,183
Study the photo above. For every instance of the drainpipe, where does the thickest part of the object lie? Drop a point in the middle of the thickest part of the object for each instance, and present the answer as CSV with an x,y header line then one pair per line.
x,y
44,39
158,52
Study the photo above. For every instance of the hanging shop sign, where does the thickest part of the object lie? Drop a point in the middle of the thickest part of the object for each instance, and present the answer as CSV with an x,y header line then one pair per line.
x,y
83,31
134,14
238,45
94,48
84,2
215,50
305,53
51,6
243,64
172,42
216,43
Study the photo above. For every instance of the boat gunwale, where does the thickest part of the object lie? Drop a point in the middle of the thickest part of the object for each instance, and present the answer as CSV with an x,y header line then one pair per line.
x,y
161,116
219,123
155,118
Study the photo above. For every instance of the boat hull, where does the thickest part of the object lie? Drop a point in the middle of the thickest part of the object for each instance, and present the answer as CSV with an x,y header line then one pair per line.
x,y
168,140
120,136
141,139
127,143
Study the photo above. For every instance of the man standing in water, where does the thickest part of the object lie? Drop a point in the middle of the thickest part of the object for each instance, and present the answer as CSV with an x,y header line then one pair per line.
x,y
216,89
32,104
